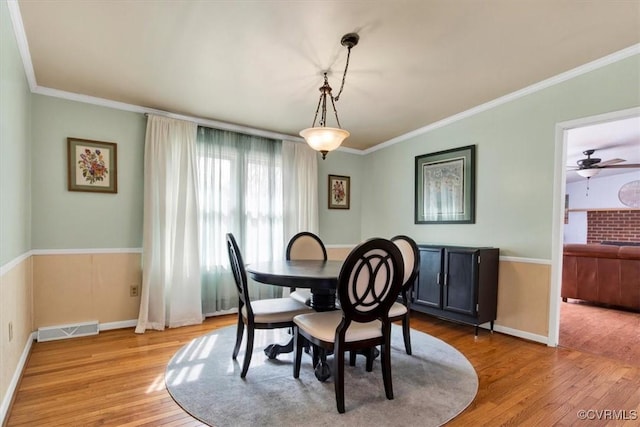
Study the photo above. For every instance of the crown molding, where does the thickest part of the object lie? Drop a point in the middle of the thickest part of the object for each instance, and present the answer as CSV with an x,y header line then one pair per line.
x,y
40,90
23,44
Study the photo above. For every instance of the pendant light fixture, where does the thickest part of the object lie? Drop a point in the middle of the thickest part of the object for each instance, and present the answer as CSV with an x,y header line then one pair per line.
x,y
322,138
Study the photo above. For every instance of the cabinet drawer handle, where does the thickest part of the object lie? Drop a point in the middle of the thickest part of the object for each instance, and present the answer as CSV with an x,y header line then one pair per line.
x,y
438,279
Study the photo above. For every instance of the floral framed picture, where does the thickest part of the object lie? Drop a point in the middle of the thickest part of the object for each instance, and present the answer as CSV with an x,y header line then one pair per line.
x,y
92,166
339,192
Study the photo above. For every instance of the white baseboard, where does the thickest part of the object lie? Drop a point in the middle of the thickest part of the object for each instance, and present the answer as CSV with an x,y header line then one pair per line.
x,y
13,385
122,324
521,334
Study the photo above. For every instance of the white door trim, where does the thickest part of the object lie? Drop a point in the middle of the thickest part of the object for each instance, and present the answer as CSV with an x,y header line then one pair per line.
x,y
559,189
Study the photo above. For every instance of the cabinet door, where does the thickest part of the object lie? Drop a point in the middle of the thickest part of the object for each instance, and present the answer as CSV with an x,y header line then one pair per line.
x,y
460,286
429,290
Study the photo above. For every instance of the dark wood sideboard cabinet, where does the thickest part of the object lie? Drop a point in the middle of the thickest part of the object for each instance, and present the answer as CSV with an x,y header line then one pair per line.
x,y
457,283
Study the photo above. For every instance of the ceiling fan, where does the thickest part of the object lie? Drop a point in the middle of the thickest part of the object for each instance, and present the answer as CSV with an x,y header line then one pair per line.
x,y
591,166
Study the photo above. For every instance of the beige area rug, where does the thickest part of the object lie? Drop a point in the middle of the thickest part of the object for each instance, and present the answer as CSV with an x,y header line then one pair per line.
x,y
600,330
430,387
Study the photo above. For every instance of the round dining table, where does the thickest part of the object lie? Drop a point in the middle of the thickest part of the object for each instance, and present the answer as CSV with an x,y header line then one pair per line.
x,y
319,276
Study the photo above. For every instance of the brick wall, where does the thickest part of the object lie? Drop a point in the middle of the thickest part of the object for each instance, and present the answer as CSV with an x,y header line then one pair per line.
x,y
617,226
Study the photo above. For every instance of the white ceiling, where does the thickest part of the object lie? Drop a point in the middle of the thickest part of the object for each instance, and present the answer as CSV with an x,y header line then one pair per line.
x,y
259,63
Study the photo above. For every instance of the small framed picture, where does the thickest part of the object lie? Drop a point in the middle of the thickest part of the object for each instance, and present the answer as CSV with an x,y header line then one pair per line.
x,y
339,192
92,166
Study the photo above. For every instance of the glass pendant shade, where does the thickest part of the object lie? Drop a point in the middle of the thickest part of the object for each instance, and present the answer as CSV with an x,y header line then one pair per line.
x,y
324,139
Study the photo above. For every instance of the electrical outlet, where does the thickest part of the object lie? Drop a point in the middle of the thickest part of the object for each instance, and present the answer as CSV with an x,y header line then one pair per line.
x,y
10,331
133,290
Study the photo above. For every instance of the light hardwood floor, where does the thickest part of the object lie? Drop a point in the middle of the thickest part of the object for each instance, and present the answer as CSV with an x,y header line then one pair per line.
x,y
116,379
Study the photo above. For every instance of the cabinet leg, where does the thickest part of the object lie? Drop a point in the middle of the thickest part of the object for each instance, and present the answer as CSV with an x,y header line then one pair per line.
x,y
492,326
476,330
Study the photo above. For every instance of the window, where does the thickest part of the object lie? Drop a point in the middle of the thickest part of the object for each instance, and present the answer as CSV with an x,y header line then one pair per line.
x,y
240,192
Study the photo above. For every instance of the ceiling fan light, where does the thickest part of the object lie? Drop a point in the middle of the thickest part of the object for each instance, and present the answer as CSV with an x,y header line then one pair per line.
x,y
588,173
324,139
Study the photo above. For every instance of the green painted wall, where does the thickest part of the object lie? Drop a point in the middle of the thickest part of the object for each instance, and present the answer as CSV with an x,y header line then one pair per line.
x,y
340,226
514,165
15,119
80,220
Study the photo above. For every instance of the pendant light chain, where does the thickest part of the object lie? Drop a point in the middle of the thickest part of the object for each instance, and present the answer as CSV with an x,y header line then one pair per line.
x,y
322,102
334,109
344,75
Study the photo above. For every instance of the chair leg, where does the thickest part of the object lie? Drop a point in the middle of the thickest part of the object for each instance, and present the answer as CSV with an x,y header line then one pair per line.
x,y
247,354
239,332
386,369
299,341
315,357
322,370
338,376
352,358
406,332
369,353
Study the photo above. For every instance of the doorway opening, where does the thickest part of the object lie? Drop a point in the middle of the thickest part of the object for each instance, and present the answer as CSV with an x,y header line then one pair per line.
x,y
614,138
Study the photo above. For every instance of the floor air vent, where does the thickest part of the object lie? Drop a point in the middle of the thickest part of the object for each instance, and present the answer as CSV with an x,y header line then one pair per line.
x,y
61,332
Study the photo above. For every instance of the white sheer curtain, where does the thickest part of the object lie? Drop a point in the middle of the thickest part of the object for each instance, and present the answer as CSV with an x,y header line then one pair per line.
x,y
241,193
171,290
300,188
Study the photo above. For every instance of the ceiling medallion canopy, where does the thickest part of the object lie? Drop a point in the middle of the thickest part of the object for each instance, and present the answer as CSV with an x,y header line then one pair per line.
x,y
322,138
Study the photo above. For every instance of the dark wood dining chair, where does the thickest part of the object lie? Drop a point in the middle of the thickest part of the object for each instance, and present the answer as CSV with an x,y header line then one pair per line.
x,y
400,310
369,283
305,245
261,314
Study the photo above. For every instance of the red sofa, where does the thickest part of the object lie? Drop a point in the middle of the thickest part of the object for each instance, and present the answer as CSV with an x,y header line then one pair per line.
x,y
602,274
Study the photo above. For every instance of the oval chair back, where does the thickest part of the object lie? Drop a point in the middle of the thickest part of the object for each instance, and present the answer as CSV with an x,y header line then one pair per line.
x,y
370,280
401,311
306,245
411,260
